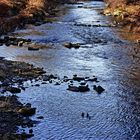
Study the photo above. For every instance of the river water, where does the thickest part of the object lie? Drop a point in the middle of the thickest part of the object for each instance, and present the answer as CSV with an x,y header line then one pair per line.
x,y
115,114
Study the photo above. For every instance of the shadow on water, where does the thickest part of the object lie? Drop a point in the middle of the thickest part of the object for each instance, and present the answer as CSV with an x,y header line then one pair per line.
x,y
114,113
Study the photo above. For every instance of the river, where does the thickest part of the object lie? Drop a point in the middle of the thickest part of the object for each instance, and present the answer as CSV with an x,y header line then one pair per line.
x,y
115,114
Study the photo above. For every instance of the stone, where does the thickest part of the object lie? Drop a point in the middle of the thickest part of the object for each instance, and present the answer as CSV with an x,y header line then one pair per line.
x,y
83,114
87,115
71,45
65,77
28,105
83,83
13,89
99,89
138,41
43,83
94,79
52,76
20,43
68,45
26,136
77,78
33,49
81,88
40,117
80,6
45,78
57,83
84,88
31,131
7,44
73,88
23,88
37,85
27,111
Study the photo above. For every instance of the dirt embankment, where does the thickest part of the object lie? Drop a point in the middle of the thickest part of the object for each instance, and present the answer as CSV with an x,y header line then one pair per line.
x,y
16,13
127,12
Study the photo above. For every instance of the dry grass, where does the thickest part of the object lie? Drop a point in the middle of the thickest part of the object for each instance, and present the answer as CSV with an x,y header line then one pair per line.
x,y
37,3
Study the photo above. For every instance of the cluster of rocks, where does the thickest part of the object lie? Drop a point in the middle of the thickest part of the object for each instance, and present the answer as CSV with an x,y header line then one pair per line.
x,y
13,74
17,73
94,25
83,86
75,84
11,117
20,42
13,113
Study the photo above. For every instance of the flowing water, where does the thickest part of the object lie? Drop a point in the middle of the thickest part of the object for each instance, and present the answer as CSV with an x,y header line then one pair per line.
x,y
115,114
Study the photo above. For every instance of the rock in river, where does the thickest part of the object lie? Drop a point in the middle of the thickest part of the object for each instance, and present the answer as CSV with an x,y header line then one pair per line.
x,y
73,88
72,45
33,49
77,78
40,117
81,88
13,89
27,111
99,89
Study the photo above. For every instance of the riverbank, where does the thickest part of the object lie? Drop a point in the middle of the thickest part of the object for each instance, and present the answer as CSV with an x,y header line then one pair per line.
x,y
126,13
16,14
12,112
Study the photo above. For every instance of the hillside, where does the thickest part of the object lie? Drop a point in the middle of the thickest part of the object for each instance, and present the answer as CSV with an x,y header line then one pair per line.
x,y
126,12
